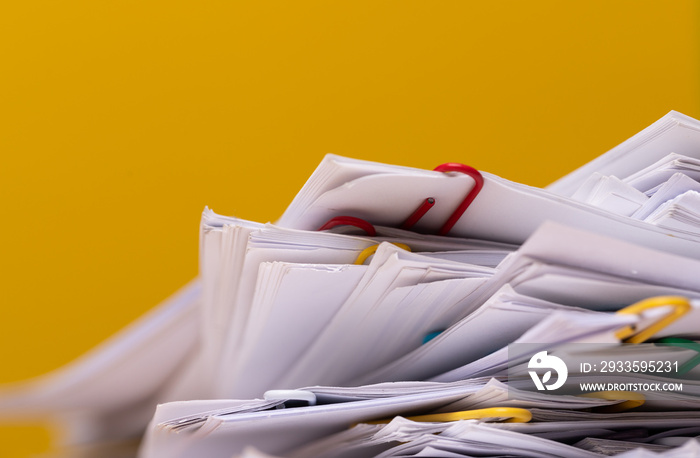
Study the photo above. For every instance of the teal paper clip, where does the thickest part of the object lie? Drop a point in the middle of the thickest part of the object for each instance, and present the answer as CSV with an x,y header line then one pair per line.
x,y
431,336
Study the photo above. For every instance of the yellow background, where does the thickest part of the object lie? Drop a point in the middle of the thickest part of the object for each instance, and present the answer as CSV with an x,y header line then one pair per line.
x,y
121,120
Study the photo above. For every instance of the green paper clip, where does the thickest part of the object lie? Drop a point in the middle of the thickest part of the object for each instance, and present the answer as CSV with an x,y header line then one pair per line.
x,y
683,343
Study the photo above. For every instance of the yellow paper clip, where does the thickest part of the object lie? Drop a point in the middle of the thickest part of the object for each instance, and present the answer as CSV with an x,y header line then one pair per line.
x,y
369,251
680,306
631,399
509,414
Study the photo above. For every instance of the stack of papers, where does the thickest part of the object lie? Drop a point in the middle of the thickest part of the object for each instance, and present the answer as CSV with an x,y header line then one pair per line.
x,y
652,177
360,324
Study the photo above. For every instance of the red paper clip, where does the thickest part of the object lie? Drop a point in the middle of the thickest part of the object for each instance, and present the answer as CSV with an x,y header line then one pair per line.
x,y
418,214
349,221
459,211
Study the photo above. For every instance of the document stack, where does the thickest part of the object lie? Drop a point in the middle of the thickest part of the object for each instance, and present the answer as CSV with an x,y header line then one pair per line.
x,y
397,312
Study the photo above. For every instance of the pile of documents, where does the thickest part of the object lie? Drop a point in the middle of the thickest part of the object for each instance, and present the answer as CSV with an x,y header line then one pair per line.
x,y
393,312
